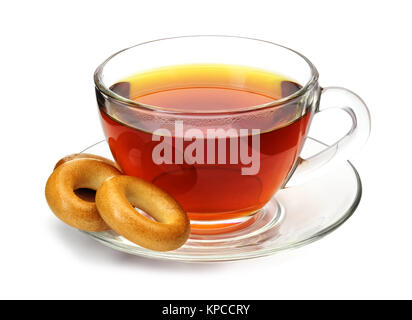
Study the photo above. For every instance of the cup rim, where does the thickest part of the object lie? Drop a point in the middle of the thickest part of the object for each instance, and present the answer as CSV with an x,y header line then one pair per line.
x,y
110,93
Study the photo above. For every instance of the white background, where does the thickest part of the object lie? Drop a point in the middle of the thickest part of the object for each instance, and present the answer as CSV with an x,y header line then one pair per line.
x,y
49,50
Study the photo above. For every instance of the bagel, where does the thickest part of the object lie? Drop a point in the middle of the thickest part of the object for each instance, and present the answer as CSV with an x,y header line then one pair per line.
x,y
76,156
116,199
69,176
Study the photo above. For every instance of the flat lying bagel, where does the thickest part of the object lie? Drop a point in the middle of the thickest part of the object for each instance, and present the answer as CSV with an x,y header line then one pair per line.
x,y
76,156
116,199
66,205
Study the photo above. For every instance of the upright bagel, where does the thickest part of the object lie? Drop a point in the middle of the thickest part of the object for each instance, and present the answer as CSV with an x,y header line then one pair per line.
x,y
69,176
115,200
76,156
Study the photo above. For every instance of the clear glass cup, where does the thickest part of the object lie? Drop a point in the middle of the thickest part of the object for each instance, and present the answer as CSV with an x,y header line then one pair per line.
x,y
219,197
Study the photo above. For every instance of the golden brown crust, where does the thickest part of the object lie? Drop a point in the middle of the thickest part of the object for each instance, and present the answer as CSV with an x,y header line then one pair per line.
x,y
69,176
115,200
76,156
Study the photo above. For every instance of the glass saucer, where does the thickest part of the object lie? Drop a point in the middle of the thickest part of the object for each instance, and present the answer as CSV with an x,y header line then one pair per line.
x,y
295,216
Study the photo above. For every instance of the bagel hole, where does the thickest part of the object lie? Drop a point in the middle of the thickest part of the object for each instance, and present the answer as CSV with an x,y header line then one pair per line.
x,y
86,194
140,211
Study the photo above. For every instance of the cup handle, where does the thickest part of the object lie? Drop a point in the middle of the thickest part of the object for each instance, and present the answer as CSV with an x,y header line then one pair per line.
x,y
342,149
